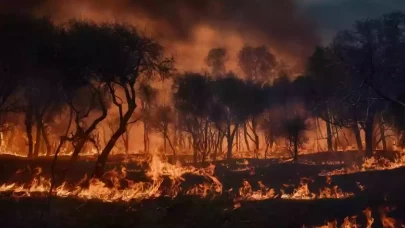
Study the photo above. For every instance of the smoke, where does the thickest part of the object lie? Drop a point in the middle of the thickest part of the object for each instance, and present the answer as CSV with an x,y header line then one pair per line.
x,y
188,29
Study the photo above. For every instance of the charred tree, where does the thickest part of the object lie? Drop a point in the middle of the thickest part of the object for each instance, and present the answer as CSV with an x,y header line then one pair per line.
x,y
294,130
83,134
124,119
28,128
126,57
38,139
369,130
328,132
47,142
382,134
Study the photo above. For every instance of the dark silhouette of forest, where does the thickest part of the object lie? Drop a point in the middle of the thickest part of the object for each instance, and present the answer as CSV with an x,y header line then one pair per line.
x,y
59,83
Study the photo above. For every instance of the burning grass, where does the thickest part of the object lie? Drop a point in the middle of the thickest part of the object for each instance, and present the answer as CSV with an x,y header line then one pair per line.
x,y
165,179
352,221
369,164
116,187
236,195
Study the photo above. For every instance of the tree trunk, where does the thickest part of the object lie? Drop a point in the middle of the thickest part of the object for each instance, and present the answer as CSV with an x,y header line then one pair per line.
x,y
28,129
218,146
37,141
295,149
10,141
164,143
356,131
337,138
257,148
329,135
171,146
195,151
369,134
124,118
269,144
47,142
204,157
229,150
256,137
77,149
205,151
230,135
145,137
182,144
246,137
102,159
382,134
126,142
214,157
267,149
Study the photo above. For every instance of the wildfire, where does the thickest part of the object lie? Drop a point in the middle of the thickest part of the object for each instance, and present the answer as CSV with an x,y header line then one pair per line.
x,y
12,154
369,164
63,152
118,188
168,180
302,192
351,221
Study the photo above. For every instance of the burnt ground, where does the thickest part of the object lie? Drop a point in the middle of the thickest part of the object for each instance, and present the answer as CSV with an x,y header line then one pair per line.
x,y
383,188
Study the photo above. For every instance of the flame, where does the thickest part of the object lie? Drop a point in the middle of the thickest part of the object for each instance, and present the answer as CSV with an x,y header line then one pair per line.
x,y
370,219
63,152
351,221
330,224
369,164
388,222
115,191
302,192
348,222
114,186
246,192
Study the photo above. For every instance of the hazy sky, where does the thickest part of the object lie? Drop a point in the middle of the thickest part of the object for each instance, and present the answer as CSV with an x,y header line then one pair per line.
x,y
190,28
334,15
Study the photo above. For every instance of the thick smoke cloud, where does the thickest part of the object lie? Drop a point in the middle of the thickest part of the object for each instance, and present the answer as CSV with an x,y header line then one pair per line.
x,y
183,24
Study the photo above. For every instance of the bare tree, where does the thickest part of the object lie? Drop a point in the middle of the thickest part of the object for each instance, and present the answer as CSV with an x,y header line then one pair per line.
x,y
85,127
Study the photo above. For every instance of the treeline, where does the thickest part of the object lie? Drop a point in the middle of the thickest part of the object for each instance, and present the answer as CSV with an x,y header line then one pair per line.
x,y
63,82
354,85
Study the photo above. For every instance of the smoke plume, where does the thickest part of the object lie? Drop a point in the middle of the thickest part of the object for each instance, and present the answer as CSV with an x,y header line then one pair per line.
x,y
188,29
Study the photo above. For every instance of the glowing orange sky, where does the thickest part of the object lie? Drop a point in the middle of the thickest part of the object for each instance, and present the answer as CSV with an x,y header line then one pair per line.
x,y
189,29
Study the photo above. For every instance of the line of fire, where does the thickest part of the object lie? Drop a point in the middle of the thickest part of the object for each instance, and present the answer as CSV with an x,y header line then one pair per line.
x,y
221,121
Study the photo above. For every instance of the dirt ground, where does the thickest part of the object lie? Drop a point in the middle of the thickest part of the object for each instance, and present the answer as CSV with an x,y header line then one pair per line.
x,y
383,188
